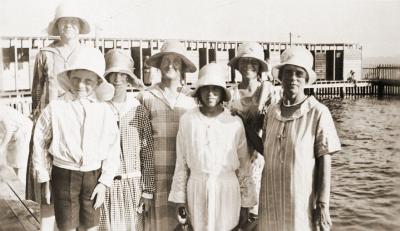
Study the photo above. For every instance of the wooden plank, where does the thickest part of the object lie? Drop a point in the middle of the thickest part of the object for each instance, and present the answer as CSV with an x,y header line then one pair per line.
x,y
26,213
8,219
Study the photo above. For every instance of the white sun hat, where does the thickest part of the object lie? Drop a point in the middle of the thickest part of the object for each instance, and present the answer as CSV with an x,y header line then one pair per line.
x,y
172,47
90,59
213,74
68,9
298,56
250,50
119,61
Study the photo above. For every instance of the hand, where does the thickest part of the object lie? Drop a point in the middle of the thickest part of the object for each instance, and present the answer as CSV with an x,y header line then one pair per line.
x,y
179,207
323,218
147,204
99,193
244,216
46,192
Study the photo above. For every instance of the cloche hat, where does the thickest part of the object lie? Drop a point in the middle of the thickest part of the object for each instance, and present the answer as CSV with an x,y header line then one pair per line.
x,y
213,74
172,47
250,50
90,59
68,10
298,56
119,61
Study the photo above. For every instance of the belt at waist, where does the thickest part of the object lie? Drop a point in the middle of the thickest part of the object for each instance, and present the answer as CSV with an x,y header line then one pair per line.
x,y
94,165
127,175
205,175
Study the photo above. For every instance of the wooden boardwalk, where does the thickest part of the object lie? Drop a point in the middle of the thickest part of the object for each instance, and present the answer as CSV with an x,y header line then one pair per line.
x,y
16,213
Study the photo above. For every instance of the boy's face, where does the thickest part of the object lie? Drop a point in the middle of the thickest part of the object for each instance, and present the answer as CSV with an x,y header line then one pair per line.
x,y
83,82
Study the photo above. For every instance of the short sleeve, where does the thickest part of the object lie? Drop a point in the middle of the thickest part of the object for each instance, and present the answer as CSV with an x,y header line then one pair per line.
x,y
326,140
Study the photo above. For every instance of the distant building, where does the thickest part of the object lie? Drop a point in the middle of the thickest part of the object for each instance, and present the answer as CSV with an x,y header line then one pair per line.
x,y
332,61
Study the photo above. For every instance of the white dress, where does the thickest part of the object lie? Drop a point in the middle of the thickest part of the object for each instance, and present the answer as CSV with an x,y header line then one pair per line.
x,y
215,152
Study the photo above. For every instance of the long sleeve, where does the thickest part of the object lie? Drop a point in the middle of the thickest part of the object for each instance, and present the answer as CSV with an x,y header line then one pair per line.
x,y
146,152
179,182
111,164
247,186
38,83
41,141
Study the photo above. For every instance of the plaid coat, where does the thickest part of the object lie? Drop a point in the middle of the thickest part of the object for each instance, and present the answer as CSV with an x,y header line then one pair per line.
x,y
164,118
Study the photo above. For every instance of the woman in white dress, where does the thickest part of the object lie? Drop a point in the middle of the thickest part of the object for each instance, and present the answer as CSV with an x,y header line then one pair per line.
x,y
211,143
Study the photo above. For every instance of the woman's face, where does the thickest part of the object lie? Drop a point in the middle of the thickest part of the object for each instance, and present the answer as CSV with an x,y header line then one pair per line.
x,y
294,79
69,27
83,82
118,79
210,95
171,66
249,68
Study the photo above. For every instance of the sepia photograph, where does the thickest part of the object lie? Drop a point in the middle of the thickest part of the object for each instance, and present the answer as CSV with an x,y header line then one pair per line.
x,y
200,115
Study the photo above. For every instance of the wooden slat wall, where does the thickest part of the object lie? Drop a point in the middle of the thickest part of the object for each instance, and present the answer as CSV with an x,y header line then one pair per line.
x,y
320,64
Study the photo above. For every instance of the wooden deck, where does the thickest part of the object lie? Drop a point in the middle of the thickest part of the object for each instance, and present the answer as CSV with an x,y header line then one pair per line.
x,y
16,213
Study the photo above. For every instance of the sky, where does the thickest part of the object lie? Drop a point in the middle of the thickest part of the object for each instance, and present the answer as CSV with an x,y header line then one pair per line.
x,y
374,24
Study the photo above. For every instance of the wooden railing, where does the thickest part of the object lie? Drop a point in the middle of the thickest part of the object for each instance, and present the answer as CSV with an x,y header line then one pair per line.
x,y
382,72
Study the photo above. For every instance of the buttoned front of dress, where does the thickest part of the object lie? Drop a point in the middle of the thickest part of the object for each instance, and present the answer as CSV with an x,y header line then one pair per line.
x,y
291,147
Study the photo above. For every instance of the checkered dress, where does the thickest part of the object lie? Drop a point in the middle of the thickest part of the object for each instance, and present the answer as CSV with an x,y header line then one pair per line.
x,y
136,171
165,121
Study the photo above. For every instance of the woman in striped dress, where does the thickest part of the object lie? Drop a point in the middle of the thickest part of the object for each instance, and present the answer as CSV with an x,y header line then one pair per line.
x,y
300,137
134,182
68,23
166,102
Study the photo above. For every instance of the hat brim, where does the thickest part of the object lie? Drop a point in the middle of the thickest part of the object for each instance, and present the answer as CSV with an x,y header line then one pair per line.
x,y
52,29
133,79
228,95
312,76
235,63
155,61
104,91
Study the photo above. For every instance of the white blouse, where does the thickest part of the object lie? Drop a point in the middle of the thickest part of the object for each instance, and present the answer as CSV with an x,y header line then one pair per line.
x,y
215,146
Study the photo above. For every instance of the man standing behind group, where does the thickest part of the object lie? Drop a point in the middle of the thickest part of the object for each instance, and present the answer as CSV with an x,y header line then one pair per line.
x,y
68,23
166,102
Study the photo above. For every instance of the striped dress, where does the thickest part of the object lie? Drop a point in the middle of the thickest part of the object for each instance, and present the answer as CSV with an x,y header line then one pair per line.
x,y
164,120
136,173
291,147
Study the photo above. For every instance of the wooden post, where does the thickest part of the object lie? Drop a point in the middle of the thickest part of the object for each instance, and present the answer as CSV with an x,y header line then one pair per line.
x,y
15,63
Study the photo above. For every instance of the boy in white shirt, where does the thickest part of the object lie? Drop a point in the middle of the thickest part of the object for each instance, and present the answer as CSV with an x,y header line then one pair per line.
x,y
76,144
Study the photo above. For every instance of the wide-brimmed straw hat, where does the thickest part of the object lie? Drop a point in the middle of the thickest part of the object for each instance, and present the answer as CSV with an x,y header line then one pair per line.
x,y
250,50
213,74
119,61
298,56
172,47
90,59
68,10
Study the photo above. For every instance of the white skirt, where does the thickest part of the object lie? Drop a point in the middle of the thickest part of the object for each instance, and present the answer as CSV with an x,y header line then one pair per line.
x,y
213,201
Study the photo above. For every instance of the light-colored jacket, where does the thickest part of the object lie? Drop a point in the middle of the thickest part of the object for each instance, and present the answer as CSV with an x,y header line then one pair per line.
x,y
80,135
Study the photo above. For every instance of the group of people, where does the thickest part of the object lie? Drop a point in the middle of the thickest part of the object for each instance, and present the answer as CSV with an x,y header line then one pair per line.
x,y
231,158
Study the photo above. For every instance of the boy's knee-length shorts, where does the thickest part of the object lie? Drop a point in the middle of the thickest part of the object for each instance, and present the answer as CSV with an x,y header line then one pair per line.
x,y
71,192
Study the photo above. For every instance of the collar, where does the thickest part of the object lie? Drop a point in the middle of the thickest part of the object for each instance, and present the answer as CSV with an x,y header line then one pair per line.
x,y
92,98
157,92
52,47
305,107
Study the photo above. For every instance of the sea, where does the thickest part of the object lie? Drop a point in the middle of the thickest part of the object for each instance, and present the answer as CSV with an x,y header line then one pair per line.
x,y
365,193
